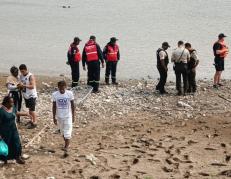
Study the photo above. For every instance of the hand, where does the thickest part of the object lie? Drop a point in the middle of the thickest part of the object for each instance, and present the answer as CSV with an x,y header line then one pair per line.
x,y
166,69
55,121
67,63
0,137
194,69
73,120
102,65
84,68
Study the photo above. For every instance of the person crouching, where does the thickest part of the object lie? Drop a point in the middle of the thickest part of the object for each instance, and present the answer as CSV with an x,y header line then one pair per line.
x,y
64,112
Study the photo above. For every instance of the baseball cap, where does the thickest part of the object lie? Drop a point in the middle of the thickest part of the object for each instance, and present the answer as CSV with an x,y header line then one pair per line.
x,y
221,35
165,44
113,39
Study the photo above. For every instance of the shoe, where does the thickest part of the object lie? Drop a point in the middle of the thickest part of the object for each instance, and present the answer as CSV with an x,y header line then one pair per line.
x,y
32,126
215,86
179,93
20,161
157,88
66,154
164,92
219,84
95,91
115,83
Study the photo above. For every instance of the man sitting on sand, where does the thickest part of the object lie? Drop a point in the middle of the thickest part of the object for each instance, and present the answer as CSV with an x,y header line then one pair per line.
x,y
64,112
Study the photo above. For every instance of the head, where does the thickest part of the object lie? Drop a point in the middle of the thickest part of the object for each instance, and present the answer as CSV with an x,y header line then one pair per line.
x,y
180,43
77,40
8,102
113,40
221,37
14,71
92,37
188,45
62,85
23,69
165,45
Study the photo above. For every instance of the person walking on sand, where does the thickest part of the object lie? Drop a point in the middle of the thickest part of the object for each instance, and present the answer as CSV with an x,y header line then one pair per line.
x,y
192,64
162,66
180,58
220,51
28,86
12,84
64,112
9,132
74,57
92,55
112,56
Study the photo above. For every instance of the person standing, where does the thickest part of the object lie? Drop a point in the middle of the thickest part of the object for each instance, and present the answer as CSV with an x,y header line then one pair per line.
x,y
180,58
92,55
112,56
74,57
28,86
12,83
162,66
64,112
9,132
220,51
192,64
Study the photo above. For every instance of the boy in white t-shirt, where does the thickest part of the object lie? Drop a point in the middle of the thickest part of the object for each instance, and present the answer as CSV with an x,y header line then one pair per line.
x,y
64,112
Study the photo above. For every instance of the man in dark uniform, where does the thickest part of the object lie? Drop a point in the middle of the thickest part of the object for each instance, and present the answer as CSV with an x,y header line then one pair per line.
x,y
74,57
192,64
112,56
162,66
220,51
92,55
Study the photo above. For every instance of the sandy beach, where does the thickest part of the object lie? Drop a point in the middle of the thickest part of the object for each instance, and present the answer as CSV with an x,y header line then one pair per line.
x,y
130,131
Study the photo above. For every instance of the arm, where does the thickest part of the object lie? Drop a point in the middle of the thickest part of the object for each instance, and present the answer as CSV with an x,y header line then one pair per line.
x,y
195,57
54,112
100,54
118,55
162,55
105,50
73,110
173,58
84,58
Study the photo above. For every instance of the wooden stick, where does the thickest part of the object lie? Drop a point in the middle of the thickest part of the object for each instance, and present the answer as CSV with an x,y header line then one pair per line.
x,y
37,135
224,98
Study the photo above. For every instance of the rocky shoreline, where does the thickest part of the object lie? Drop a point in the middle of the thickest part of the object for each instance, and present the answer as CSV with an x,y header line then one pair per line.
x,y
130,131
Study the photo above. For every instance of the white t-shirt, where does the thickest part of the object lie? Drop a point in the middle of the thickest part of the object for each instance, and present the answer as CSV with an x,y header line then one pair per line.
x,y
63,104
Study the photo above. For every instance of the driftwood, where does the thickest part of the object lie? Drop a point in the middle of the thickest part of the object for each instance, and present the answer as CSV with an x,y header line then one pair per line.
x,y
36,136
224,98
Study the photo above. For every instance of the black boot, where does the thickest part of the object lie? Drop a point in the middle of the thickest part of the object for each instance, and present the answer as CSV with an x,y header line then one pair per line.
x,y
107,80
114,81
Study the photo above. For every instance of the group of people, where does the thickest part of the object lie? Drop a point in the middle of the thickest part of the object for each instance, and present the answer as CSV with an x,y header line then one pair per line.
x,y
185,61
18,87
92,56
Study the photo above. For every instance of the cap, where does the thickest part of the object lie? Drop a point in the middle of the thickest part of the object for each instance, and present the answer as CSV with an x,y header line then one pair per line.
x,y
165,44
77,39
113,39
92,37
221,35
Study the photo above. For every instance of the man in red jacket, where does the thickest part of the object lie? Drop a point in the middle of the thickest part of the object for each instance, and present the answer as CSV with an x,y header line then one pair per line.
x,y
92,55
112,56
74,57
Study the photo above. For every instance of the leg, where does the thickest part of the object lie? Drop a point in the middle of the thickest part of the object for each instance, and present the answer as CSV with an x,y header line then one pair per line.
x,y
113,72
75,73
162,82
194,86
90,74
30,104
178,79
107,72
185,77
190,81
96,76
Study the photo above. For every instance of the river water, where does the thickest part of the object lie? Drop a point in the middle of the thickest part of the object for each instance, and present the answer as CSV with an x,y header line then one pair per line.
x,y
38,33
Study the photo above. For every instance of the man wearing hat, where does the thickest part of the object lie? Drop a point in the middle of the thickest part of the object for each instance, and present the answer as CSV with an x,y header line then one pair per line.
x,y
92,55
112,56
162,66
74,57
220,51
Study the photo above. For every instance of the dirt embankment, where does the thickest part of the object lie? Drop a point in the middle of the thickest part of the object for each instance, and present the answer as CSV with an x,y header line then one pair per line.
x,y
130,131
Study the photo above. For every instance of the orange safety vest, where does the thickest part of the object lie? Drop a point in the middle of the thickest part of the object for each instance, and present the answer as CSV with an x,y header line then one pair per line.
x,y
78,56
112,53
91,51
224,47
76,53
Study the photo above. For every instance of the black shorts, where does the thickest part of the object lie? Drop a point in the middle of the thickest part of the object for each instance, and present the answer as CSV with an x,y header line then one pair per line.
x,y
30,103
219,64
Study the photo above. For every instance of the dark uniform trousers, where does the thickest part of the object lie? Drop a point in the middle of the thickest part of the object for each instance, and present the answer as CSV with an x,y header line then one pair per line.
x,y
181,69
163,78
74,73
111,69
191,81
17,96
94,74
